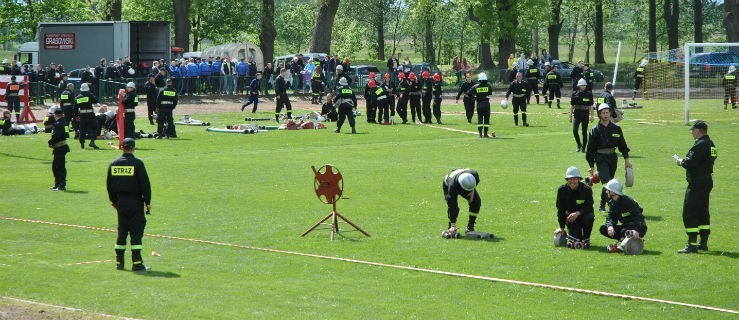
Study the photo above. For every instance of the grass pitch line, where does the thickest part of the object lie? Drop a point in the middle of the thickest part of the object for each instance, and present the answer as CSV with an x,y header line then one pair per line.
x,y
88,262
380,264
63,308
449,129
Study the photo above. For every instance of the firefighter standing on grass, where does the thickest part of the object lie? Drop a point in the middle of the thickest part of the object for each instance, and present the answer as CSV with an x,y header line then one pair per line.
x,y
58,143
166,103
403,92
698,166
414,88
347,102
638,79
436,90
426,96
66,104
129,191
532,78
481,93
469,103
151,97
13,98
130,101
461,182
281,96
369,98
604,138
518,89
553,83
83,108
729,83
581,110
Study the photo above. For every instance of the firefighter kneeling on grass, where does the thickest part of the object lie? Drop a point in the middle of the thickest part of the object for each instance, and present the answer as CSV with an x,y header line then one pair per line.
x,y
575,210
461,182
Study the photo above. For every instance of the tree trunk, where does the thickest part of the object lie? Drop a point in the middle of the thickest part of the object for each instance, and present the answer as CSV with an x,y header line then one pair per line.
x,y
698,19
672,16
268,33
653,25
535,38
321,40
507,26
731,22
587,42
380,36
572,33
599,56
428,37
484,53
196,34
115,10
182,23
554,28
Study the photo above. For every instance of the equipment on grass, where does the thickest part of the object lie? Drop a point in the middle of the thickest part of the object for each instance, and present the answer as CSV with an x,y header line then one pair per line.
x,y
447,234
329,186
629,179
186,120
245,129
631,245
259,119
592,179
504,104
560,239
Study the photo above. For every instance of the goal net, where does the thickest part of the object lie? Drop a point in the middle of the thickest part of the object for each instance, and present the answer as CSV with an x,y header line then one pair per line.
x,y
699,80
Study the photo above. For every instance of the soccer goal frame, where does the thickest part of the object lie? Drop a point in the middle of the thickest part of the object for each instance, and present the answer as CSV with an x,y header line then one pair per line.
x,y
687,55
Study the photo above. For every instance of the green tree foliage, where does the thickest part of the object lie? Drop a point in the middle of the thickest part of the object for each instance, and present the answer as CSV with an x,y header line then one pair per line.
x,y
294,20
19,19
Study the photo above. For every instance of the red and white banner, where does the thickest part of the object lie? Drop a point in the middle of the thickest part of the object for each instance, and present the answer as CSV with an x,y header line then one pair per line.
x,y
59,41
4,80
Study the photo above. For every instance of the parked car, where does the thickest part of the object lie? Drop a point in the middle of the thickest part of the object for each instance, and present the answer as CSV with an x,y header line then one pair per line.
x,y
564,68
75,76
360,75
712,64
425,66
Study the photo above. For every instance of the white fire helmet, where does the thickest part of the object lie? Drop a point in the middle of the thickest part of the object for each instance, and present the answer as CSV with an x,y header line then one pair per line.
x,y
482,76
582,82
131,85
573,172
546,64
615,186
732,68
467,181
644,63
603,106
530,62
84,87
343,82
340,67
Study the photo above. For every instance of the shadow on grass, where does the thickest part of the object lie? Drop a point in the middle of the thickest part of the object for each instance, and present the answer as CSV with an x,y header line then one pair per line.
x,y
653,218
493,239
604,249
45,161
76,191
732,255
176,139
157,274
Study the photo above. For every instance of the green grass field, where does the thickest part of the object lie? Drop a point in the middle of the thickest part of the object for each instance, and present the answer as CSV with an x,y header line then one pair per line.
x,y
257,190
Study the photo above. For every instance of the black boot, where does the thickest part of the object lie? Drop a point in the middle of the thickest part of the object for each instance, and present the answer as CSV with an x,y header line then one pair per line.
x,y
689,248
138,262
119,259
703,245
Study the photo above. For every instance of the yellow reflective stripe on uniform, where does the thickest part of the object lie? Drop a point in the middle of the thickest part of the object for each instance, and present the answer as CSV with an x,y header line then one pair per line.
x,y
579,201
378,91
120,247
124,171
640,69
168,93
136,99
616,135
2,122
600,100
704,227
472,214
691,230
730,77
585,99
626,214
533,70
66,128
592,75
83,99
137,247
552,76
714,152
346,91
482,89
64,97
